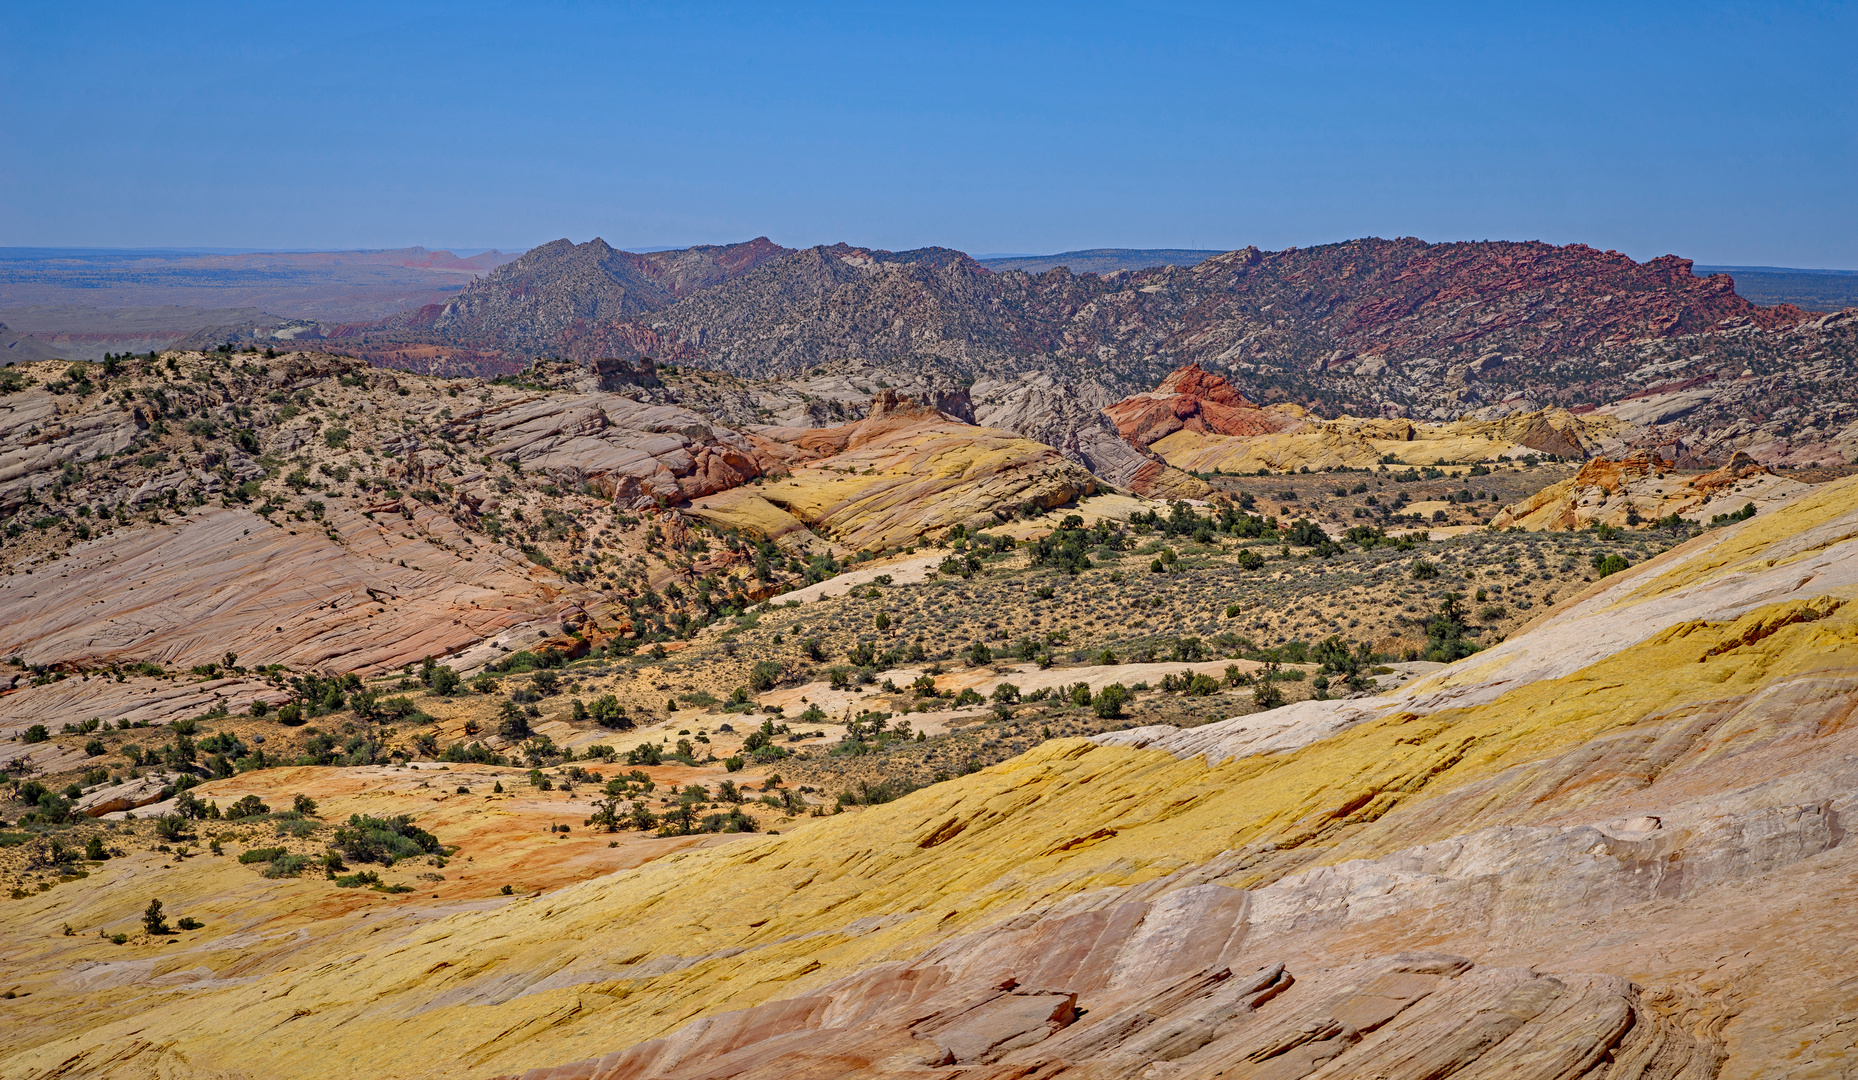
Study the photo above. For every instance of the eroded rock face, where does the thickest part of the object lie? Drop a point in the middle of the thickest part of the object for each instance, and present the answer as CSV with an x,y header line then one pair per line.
x,y
1190,399
1071,417
1359,443
1197,421
907,469
220,580
1640,488
41,431
1411,1014
635,453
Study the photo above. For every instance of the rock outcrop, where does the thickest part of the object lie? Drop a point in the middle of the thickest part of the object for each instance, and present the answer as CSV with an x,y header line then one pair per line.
x,y
1643,488
1070,416
1193,400
636,454
41,432
907,469
1362,443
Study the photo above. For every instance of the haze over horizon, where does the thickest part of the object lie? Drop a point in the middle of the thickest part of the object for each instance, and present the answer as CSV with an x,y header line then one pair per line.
x,y
1710,133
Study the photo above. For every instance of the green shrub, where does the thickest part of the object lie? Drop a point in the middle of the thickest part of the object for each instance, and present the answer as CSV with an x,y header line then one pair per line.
x,y
383,840
1609,565
249,806
286,866
609,713
764,675
475,754
444,682
1110,700
261,854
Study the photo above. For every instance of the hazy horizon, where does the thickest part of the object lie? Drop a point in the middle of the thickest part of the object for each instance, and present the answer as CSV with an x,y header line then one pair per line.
x,y
1709,132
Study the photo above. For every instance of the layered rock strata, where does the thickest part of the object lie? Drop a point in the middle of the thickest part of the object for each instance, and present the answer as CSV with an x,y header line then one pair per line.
x,y
367,594
1642,488
905,470
1071,417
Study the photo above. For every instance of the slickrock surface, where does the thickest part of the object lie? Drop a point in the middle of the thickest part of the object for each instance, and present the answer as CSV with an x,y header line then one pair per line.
x,y
377,595
633,453
903,471
1611,846
1609,492
138,699
40,432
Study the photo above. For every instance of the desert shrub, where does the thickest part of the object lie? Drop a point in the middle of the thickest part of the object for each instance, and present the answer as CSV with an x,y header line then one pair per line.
x,y
444,682
249,806
764,675
474,754
383,840
609,713
1110,700
734,821
512,725
286,865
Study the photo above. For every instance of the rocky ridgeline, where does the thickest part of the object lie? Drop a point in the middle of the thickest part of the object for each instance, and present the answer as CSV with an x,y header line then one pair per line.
x,y
311,511
1367,328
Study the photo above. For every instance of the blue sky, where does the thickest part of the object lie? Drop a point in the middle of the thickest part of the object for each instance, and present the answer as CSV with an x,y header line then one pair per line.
x,y
1727,134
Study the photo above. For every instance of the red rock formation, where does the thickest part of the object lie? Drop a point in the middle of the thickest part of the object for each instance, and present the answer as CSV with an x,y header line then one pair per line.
x,y
1193,400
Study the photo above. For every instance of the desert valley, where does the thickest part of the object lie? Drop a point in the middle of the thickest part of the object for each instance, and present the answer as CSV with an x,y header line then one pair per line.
x,y
1379,659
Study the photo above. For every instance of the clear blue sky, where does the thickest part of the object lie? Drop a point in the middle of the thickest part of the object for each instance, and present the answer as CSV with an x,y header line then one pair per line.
x,y
1724,133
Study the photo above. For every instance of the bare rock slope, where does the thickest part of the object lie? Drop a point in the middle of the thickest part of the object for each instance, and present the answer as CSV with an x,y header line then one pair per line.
x,y
907,469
